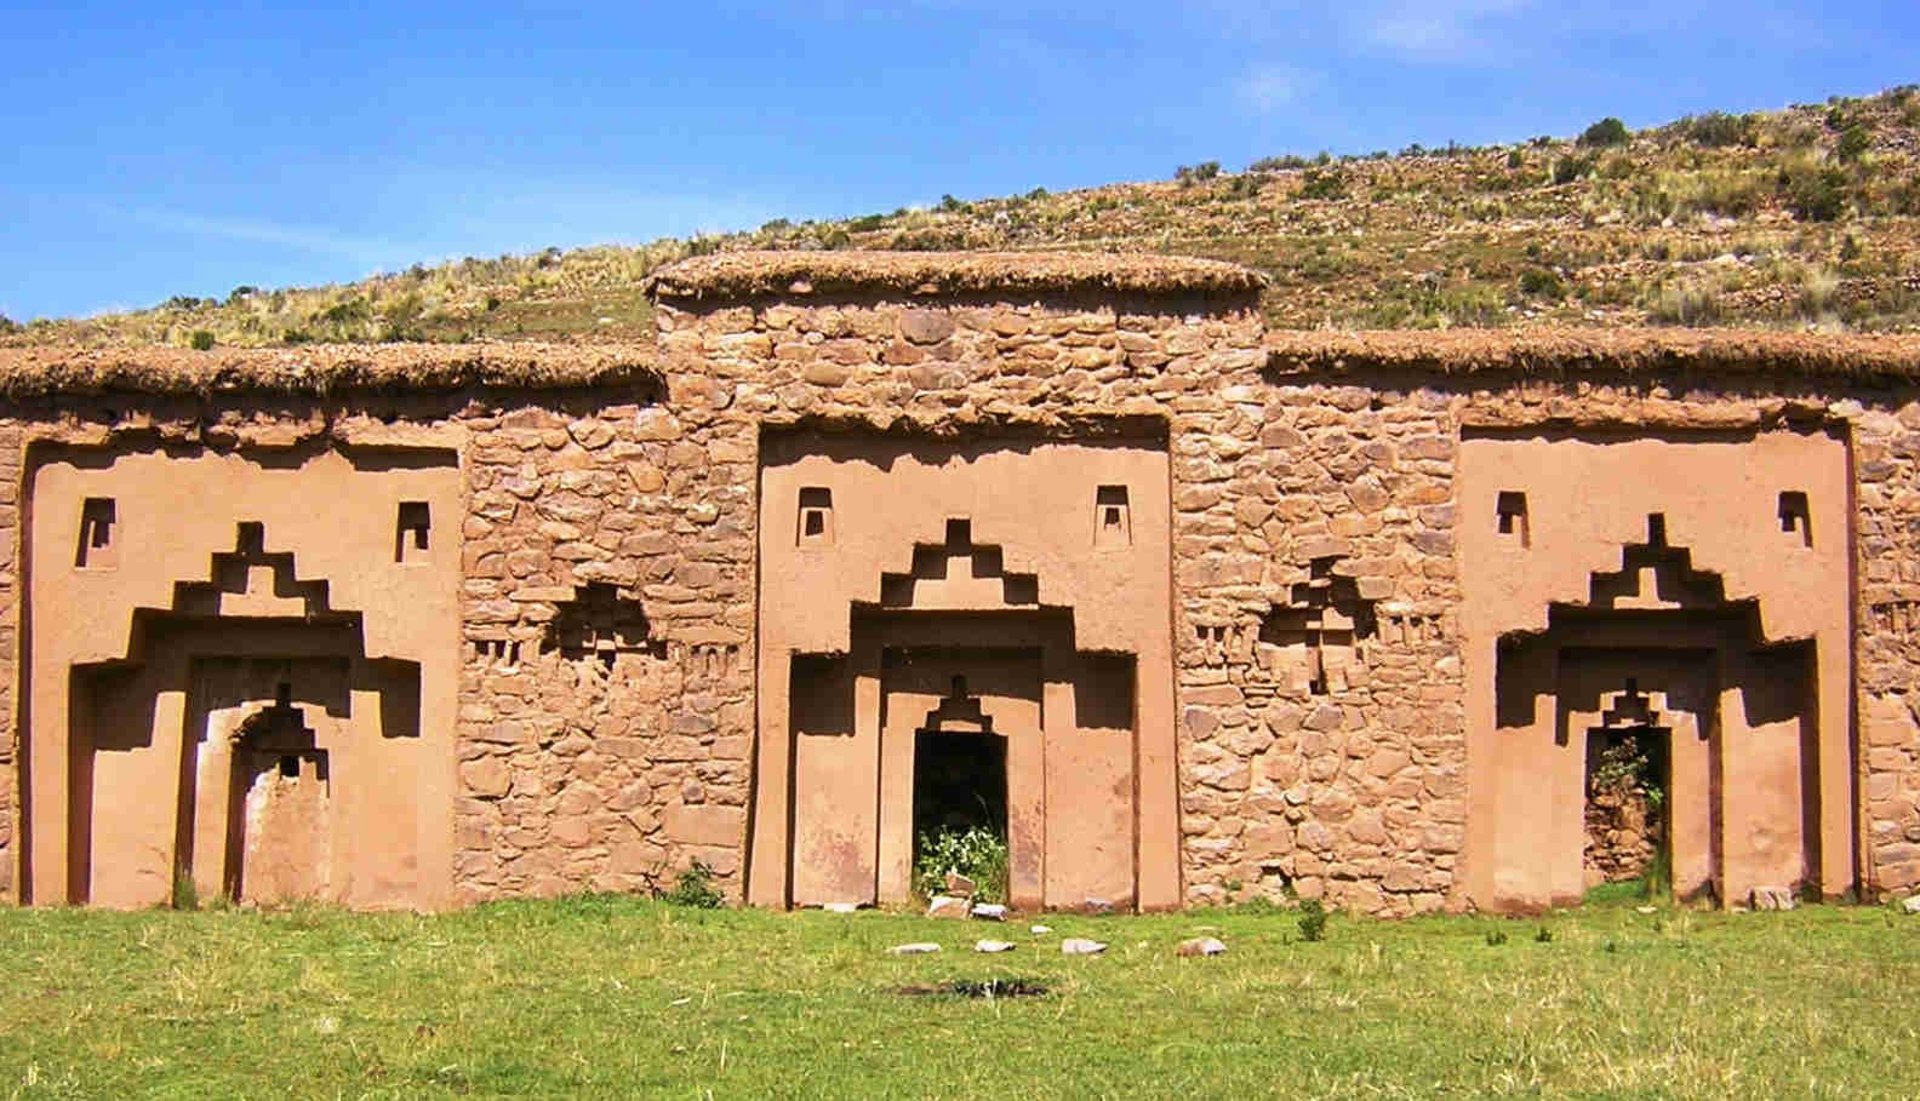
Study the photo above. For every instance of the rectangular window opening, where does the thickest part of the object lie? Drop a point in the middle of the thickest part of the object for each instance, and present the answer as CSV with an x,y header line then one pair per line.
x,y
816,516
1511,509
412,539
1795,519
1112,517
96,549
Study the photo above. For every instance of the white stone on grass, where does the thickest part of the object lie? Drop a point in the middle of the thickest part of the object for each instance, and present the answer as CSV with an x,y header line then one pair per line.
x,y
947,906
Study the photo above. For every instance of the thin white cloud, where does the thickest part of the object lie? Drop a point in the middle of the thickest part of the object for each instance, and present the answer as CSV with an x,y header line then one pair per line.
x,y
1265,89
1436,30
369,251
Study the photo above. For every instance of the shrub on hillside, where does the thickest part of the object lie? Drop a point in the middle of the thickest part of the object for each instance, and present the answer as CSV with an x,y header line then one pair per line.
x,y
1319,183
1608,131
1814,194
1542,283
1854,142
1278,164
1568,169
1717,129
1188,174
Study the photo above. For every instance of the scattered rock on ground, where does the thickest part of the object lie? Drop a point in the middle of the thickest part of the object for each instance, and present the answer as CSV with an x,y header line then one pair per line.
x,y
1912,905
840,907
1081,946
1037,930
1201,946
947,906
992,946
919,948
1098,906
989,911
1773,898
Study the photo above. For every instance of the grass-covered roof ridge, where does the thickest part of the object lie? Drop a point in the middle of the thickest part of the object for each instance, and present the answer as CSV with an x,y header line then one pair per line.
x,y
764,272
1571,350
323,368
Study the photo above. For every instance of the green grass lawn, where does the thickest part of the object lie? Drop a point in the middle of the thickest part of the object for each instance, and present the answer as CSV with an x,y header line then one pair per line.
x,y
623,997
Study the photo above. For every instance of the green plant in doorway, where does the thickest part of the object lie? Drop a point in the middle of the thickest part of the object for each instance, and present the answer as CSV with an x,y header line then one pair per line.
x,y
976,852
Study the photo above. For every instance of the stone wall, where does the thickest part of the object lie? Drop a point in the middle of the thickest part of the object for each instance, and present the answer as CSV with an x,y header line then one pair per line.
x,y
606,732
1886,441
12,456
604,769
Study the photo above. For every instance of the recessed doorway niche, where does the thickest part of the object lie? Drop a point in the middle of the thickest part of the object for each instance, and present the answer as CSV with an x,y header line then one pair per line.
x,y
1657,675
251,696
984,641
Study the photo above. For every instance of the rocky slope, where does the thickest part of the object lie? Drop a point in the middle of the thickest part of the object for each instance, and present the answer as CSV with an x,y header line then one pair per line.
x,y
1804,217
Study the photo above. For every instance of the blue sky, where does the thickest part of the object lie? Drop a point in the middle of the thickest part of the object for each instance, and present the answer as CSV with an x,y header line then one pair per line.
x,y
187,149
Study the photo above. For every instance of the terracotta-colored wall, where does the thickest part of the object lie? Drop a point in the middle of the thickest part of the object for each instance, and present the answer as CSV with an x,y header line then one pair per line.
x,y
174,515
1030,509
613,768
1587,497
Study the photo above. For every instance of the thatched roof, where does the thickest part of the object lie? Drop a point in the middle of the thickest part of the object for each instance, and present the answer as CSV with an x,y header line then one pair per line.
x,y
322,368
335,368
745,274
1569,351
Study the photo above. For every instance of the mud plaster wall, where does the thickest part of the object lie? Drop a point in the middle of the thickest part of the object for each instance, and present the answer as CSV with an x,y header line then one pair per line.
x,y
1358,795
1078,587
561,772
168,537
1753,517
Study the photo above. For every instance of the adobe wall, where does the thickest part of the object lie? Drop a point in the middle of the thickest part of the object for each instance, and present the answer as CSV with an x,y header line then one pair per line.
x,y
610,684
543,769
889,567
1359,793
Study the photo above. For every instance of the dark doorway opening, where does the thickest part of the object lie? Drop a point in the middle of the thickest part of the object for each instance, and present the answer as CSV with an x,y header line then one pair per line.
x,y
959,783
1629,780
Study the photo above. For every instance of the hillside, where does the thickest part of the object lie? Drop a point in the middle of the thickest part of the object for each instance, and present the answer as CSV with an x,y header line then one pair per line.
x,y
1806,216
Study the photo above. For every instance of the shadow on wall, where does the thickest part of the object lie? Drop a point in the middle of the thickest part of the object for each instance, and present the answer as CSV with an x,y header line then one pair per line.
x,y
1657,648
